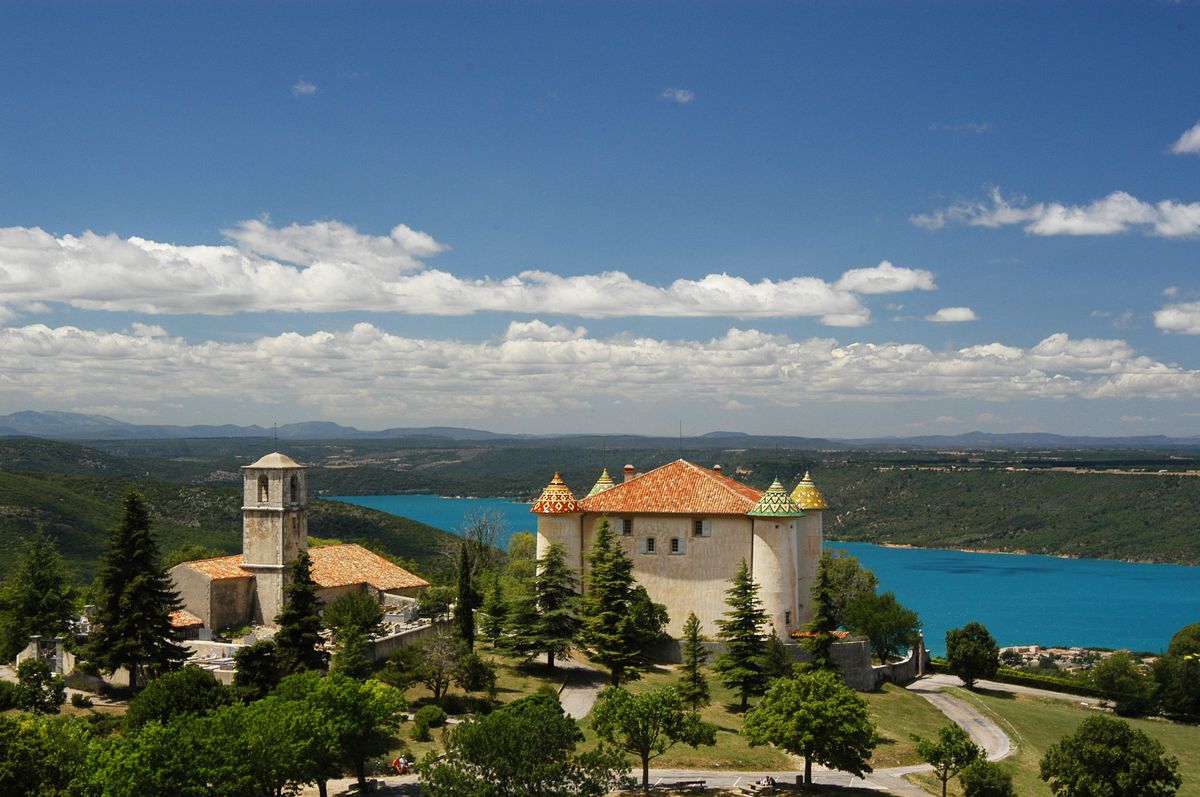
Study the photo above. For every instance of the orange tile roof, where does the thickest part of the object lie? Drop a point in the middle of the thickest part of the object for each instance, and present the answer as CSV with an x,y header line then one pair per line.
x,y
679,487
221,568
332,566
342,565
182,618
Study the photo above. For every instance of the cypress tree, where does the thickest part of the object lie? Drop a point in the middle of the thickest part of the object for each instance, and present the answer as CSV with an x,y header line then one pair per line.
x,y
467,598
743,666
693,686
36,598
298,639
135,601
495,613
611,632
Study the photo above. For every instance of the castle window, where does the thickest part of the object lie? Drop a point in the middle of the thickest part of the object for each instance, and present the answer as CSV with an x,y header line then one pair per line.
x,y
702,528
678,545
646,545
264,489
294,490
627,526
787,617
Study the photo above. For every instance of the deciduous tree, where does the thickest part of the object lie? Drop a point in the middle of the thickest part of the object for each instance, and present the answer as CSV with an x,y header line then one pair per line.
x,y
648,724
525,749
1120,680
135,598
1177,673
983,778
971,653
889,626
848,581
814,715
743,665
1106,756
189,690
950,753
39,689
257,670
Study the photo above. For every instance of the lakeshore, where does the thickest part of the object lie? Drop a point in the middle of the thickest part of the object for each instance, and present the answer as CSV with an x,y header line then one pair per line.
x,y
1024,599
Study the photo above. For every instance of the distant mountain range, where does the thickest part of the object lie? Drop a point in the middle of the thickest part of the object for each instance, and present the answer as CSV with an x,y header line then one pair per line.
x,y
81,426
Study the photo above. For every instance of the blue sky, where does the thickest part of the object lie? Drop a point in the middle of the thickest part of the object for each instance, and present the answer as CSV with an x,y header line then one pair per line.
x,y
840,219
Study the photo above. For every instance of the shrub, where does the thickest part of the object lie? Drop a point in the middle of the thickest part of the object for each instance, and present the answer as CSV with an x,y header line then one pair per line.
x,y
8,695
80,700
986,779
427,717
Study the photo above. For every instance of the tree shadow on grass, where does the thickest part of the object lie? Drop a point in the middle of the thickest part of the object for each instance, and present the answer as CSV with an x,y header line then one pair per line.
x,y
1000,693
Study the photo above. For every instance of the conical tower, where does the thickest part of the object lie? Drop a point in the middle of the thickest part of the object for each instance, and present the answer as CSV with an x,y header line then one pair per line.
x,y
810,538
560,520
603,483
773,556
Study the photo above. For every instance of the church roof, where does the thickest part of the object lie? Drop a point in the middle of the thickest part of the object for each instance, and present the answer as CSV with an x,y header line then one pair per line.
x,y
775,502
556,499
679,487
275,460
182,618
807,496
603,483
332,566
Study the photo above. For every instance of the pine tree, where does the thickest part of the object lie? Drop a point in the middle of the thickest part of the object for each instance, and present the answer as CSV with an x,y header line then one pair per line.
x,y
299,637
495,613
36,598
611,631
743,665
693,686
351,657
825,614
134,603
548,621
467,599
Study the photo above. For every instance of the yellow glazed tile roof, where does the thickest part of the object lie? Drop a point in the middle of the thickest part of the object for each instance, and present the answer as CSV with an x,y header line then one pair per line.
x,y
807,496
556,499
679,487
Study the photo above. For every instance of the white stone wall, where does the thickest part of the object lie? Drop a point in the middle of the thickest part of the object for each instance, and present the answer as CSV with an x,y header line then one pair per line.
x,y
773,566
809,539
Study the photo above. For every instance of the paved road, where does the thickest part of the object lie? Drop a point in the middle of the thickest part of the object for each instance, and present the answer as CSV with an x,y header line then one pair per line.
x,y
583,684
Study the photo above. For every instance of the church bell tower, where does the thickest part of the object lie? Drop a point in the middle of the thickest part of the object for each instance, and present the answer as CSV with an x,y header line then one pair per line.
x,y
274,527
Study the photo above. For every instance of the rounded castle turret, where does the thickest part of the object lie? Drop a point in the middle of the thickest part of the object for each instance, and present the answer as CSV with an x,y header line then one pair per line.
x,y
810,536
773,561
559,521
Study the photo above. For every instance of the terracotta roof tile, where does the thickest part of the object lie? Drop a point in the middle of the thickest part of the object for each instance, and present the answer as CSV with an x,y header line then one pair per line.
x,y
182,618
679,487
342,565
332,566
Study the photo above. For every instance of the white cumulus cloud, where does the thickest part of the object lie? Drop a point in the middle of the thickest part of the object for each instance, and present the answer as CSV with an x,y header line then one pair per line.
x,y
1189,142
1181,317
950,315
1119,212
329,266
302,88
364,371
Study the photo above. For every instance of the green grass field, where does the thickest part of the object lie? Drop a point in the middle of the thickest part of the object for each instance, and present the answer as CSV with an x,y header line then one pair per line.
x,y
1036,723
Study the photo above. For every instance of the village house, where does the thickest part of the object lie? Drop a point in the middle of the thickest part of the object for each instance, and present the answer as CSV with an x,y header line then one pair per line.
x,y
687,529
247,589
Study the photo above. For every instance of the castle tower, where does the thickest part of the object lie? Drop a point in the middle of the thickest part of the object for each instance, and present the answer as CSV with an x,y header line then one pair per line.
x,y
603,483
810,536
274,527
773,556
560,520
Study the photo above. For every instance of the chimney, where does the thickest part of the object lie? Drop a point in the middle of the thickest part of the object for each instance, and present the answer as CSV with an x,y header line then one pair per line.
x,y
629,472
717,468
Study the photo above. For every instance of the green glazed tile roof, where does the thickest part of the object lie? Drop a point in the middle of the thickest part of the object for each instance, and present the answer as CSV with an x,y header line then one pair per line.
x,y
603,483
775,502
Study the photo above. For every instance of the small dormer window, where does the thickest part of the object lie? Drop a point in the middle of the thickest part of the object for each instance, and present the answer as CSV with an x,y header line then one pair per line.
x,y
264,489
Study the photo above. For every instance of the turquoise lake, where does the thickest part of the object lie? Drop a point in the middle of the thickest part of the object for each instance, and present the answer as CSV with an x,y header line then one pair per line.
x,y
1021,599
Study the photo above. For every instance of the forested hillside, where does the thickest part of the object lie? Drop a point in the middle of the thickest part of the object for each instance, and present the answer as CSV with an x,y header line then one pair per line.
x,y
1123,507
78,510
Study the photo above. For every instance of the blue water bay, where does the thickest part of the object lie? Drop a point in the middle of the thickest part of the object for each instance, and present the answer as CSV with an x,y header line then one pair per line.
x,y
1022,599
